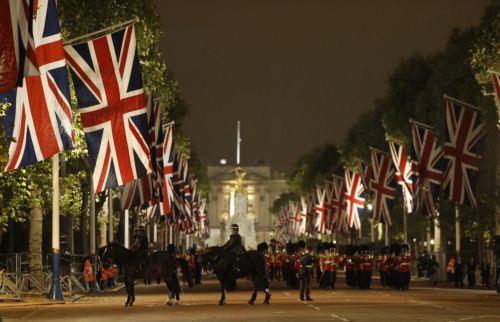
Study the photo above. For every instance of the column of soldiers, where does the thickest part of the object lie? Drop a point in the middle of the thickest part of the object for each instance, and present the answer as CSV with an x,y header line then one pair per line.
x,y
298,265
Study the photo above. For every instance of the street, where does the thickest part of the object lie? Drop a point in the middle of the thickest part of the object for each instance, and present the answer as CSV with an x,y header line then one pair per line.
x,y
342,304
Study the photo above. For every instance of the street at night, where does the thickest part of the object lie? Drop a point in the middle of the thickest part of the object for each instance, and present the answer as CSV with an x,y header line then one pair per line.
x,y
249,160
421,303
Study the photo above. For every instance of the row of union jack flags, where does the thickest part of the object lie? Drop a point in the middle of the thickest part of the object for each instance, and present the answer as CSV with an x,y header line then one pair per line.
x,y
448,168
170,190
126,141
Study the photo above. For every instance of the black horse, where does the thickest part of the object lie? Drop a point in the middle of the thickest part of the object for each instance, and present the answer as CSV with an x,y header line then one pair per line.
x,y
165,263
251,264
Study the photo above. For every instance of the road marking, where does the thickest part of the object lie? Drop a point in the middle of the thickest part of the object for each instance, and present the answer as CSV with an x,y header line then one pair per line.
x,y
286,293
437,306
338,317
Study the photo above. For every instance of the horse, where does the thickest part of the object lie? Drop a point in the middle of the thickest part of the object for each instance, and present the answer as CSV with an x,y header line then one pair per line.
x,y
251,264
132,269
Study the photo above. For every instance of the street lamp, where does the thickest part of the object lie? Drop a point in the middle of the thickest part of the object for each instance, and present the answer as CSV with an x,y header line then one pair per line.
x,y
369,206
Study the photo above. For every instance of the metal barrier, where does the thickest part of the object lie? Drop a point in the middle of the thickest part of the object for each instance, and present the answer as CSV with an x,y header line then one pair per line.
x,y
16,277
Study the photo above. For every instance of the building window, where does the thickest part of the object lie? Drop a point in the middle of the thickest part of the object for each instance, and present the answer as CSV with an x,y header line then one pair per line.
x,y
262,198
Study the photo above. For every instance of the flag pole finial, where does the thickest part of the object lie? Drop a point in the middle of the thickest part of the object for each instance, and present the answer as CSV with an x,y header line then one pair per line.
x,y
238,143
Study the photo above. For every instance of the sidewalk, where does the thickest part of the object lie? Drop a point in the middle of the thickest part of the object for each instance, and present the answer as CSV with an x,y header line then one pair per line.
x,y
41,299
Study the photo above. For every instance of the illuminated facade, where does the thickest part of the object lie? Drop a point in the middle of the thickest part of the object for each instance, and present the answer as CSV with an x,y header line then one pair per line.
x,y
246,192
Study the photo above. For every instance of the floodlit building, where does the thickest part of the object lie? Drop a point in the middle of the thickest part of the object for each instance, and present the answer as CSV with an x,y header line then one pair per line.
x,y
243,195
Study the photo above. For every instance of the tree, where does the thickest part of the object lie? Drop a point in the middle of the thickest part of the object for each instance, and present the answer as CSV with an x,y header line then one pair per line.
x,y
313,168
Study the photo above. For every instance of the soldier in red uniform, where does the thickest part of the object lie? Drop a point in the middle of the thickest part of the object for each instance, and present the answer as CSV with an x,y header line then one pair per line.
x,y
365,271
404,272
325,263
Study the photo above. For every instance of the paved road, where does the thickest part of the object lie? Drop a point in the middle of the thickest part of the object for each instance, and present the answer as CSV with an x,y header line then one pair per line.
x,y
199,304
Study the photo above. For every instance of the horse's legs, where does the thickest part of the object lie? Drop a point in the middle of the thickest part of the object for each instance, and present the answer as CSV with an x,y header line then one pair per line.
x,y
222,300
127,288
132,292
254,297
268,296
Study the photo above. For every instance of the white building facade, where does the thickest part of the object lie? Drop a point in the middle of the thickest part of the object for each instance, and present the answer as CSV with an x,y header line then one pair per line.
x,y
243,195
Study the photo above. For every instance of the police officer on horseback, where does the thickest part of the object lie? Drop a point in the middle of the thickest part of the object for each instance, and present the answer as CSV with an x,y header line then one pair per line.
x,y
231,250
140,246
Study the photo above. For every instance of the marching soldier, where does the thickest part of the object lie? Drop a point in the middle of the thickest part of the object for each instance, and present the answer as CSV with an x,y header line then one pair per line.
x,y
336,259
326,266
404,271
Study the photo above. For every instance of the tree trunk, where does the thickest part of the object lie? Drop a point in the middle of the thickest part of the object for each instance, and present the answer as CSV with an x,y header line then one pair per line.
x,y
35,234
84,220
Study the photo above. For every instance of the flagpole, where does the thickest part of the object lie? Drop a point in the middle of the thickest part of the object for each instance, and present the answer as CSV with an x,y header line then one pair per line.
x,y
457,231
126,229
101,31
55,292
386,234
110,216
405,224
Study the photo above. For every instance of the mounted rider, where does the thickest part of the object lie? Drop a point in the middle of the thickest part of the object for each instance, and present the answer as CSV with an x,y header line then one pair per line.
x,y
140,246
229,253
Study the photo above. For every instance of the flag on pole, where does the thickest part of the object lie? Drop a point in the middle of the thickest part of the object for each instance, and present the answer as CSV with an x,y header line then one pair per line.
x,y
354,198
464,130
429,170
13,42
167,186
303,217
156,134
108,84
404,172
337,205
321,210
39,114
382,186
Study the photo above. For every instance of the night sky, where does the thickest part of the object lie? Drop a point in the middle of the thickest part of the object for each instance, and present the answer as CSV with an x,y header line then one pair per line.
x,y
296,73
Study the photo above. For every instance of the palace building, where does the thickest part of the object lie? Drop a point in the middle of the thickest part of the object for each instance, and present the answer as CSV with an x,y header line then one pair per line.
x,y
243,195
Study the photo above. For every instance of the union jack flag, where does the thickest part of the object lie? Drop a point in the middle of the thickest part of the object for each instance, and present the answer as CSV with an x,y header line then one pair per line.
x,y
145,192
294,217
108,84
404,172
381,185
337,221
39,117
14,35
204,224
460,148
156,134
354,198
429,168
321,210
138,193
303,216
168,191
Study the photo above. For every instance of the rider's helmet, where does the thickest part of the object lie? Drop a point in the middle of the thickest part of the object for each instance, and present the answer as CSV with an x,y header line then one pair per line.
x,y
235,228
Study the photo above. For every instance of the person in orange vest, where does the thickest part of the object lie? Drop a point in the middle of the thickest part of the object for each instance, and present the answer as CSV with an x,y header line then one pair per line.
x,y
450,269
88,273
110,273
103,276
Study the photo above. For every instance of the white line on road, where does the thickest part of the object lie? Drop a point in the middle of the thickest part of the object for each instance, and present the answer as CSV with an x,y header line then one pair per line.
x,y
286,293
338,317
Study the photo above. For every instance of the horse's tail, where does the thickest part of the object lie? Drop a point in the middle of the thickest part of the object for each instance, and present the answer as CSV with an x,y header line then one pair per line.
x,y
186,271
